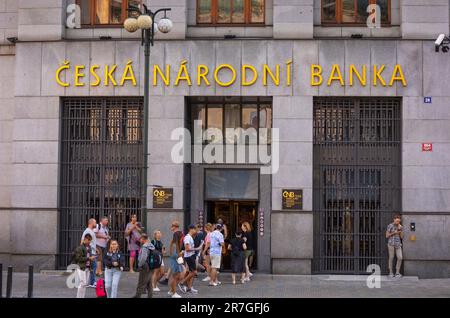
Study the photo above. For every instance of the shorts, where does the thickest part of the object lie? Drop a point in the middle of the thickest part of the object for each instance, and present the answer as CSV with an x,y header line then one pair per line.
x,y
190,262
215,260
248,253
133,254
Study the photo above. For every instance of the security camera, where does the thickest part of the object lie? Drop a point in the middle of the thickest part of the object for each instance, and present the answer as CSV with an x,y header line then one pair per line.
x,y
441,41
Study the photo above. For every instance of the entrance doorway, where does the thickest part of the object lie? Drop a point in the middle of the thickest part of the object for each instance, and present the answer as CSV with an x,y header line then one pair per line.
x,y
233,214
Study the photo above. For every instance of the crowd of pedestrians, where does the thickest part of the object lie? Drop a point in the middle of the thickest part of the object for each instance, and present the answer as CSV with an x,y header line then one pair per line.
x,y
198,249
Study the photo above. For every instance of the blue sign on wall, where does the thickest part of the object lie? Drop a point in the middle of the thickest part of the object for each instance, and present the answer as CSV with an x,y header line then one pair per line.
x,y
427,100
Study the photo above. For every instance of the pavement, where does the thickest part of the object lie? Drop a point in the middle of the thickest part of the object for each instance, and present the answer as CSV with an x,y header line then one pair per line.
x,y
52,284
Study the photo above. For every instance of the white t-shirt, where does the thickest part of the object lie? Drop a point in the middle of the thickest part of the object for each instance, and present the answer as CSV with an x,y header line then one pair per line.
x,y
102,242
188,240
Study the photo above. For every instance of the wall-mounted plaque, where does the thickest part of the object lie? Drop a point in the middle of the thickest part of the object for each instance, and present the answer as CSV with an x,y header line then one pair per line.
x,y
163,198
292,199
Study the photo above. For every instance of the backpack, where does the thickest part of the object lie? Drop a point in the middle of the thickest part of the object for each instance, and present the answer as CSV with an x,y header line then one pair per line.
x,y
235,249
100,289
154,259
73,257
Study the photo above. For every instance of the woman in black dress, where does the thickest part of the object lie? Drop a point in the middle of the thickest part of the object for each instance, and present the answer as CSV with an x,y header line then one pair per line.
x,y
237,247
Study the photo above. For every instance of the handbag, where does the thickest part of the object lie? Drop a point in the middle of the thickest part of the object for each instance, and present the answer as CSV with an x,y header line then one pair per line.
x,y
180,260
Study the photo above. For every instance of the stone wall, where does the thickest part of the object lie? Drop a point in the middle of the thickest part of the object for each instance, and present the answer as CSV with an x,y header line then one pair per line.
x,y
424,19
8,20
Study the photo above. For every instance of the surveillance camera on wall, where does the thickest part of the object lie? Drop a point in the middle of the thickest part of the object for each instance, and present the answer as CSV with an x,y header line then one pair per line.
x,y
442,41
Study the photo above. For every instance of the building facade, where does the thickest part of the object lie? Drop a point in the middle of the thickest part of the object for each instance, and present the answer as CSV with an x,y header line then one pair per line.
x,y
359,118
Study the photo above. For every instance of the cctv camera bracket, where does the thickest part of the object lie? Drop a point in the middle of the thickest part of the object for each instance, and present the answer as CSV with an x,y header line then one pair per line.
x,y
444,45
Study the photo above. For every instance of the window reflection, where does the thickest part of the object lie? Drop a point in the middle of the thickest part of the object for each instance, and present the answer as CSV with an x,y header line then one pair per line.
x,y
224,11
329,10
265,121
108,12
248,113
384,7
204,11
348,11
238,11
215,117
85,12
102,11
116,11
257,11
230,11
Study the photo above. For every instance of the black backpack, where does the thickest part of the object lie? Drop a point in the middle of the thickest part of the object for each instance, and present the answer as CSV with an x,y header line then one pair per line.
x,y
154,259
235,250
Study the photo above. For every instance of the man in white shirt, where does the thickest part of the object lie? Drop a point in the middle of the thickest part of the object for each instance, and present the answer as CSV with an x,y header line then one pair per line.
x,y
92,223
102,236
215,253
189,258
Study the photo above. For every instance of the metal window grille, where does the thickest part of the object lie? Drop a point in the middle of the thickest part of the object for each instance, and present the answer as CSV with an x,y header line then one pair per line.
x,y
101,167
357,187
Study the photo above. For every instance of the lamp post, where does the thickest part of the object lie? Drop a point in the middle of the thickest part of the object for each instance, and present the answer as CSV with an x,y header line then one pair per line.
x,y
145,21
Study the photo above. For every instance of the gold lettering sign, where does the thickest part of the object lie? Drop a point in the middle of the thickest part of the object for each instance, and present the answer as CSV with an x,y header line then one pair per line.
x,y
226,75
163,198
292,199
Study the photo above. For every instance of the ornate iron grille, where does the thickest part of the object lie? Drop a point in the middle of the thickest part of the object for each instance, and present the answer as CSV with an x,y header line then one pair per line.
x,y
101,167
357,187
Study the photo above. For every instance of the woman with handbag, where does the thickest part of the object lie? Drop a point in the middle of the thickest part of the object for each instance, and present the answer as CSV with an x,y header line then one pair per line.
x,y
175,263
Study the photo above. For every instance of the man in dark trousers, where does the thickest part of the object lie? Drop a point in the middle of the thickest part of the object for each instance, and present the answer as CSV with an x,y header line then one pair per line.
x,y
145,273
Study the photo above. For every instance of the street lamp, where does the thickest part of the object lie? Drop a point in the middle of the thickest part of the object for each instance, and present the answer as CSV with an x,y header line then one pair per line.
x,y
145,21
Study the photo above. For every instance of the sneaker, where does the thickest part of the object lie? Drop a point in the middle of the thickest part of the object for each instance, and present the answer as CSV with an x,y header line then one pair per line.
x,y
206,279
182,288
391,275
398,275
242,281
212,284
247,279
176,296
192,291
219,283
250,274
164,281
170,293
156,289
